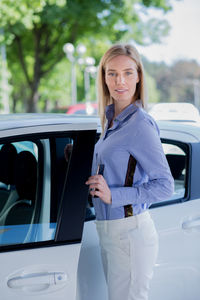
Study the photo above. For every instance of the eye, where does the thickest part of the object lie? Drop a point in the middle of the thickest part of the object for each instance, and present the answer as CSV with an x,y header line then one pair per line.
x,y
129,73
111,74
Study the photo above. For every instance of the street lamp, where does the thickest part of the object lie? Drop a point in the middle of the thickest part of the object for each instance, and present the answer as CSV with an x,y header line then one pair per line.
x,y
75,56
70,50
89,70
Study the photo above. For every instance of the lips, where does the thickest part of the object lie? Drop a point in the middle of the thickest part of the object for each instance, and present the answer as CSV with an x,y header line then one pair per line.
x,y
121,90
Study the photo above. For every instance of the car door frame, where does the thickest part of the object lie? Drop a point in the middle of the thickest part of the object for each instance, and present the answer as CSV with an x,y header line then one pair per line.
x,y
68,234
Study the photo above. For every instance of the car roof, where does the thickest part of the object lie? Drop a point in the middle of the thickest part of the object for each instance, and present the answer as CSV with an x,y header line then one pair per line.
x,y
181,131
19,124
36,119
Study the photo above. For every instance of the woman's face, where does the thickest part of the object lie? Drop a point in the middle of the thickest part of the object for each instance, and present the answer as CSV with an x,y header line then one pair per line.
x,y
121,77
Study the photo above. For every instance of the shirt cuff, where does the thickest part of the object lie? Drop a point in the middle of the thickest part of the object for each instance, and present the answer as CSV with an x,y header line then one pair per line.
x,y
122,196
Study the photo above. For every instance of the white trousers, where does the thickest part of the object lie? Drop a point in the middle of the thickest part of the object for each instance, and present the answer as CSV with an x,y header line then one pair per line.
x,y
129,249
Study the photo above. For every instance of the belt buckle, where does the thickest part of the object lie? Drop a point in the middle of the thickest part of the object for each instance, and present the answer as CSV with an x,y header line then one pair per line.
x,y
128,211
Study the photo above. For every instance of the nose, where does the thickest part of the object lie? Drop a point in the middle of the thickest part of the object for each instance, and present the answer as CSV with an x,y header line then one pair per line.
x,y
120,79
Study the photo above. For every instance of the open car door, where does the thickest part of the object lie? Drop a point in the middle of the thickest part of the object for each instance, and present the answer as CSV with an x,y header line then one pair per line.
x,y
43,200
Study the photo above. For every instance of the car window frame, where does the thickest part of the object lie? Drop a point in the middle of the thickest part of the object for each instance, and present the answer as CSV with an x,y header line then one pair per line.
x,y
186,147
60,236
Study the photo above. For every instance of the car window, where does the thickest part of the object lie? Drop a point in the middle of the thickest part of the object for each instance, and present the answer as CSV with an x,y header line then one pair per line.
x,y
32,177
177,158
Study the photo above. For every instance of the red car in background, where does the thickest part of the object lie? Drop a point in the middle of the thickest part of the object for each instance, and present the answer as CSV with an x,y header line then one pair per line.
x,y
88,108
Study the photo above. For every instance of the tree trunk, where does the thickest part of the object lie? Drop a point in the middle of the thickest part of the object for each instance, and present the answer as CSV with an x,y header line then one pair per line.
x,y
32,103
14,104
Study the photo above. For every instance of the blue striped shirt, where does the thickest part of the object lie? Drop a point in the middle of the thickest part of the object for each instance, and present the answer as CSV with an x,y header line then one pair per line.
x,y
133,132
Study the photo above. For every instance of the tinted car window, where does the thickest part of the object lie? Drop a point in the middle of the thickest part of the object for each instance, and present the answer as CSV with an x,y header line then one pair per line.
x,y
18,177
32,177
177,158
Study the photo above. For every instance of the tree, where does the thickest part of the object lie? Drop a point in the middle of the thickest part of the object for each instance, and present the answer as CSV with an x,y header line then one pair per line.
x,y
153,92
35,32
175,83
184,74
5,87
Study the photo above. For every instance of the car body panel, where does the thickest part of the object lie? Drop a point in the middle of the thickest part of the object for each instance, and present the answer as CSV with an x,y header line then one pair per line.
x,y
31,274
177,271
185,132
23,124
91,282
40,260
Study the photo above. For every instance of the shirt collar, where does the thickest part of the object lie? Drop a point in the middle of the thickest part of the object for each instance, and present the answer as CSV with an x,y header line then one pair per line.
x,y
109,112
124,114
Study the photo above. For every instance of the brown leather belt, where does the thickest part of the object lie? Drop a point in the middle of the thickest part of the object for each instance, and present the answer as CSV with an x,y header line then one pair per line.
x,y
128,209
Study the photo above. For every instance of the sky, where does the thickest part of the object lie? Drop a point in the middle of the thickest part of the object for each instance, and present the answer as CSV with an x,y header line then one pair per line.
x,y
183,41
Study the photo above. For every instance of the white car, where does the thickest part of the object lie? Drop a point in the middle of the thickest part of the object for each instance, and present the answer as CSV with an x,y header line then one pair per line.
x,y
48,241
176,111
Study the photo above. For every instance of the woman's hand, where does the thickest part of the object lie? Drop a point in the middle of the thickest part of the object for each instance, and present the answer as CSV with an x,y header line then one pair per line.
x,y
98,187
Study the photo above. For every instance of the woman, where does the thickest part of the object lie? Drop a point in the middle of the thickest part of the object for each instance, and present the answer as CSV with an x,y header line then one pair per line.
x,y
136,174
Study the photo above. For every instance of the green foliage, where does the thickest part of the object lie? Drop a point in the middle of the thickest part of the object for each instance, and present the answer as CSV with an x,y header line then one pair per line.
x,y
153,92
55,88
24,14
175,83
157,3
35,32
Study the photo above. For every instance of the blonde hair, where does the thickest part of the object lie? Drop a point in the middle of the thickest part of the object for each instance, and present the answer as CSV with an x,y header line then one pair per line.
x,y
104,97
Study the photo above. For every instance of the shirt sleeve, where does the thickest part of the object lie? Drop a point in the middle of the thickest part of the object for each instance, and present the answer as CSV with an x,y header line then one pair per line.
x,y
149,153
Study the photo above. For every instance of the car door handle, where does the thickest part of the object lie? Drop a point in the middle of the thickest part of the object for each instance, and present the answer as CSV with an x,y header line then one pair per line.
x,y
37,281
192,224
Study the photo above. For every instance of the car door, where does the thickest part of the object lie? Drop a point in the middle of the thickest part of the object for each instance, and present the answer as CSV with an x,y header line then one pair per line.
x,y
177,272
42,208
